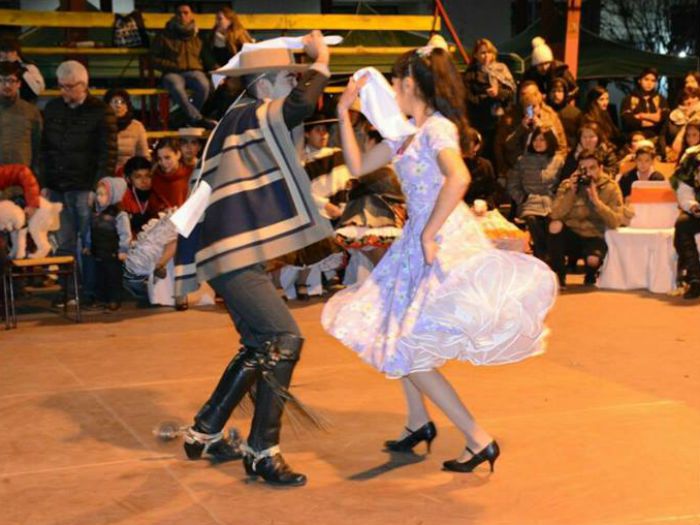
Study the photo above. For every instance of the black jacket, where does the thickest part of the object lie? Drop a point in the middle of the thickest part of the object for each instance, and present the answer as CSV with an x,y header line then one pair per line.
x,y
558,70
79,145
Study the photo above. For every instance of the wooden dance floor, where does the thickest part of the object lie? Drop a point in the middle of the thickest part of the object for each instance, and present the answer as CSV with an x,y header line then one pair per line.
x,y
602,430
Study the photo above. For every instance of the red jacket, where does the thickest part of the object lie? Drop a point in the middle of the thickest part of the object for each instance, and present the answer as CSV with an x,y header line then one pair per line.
x,y
21,175
169,189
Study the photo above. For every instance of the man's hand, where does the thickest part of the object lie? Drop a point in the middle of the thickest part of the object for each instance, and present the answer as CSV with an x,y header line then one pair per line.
x,y
695,210
122,257
492,91
593,194
315,47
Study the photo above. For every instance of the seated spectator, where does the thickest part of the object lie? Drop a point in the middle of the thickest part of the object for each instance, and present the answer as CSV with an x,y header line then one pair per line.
x,y
490,91
171,176
568,113
108,243
590,137
516,125
176,53
224,40
597,110
687,110
544,69
33,83
20,121
645,109
686,182
532,183
483,179
586,204
691,80
191,145
636,140
136,201
687,138
643,170
131,135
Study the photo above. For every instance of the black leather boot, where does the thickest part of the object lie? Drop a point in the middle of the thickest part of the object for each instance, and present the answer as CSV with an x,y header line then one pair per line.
x,y
235,383
688,257
263,457
216,447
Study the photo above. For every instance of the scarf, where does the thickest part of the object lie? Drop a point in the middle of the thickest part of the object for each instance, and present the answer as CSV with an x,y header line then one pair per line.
x,y
181,31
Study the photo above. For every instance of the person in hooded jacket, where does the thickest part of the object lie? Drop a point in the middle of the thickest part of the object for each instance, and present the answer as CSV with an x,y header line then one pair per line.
x,y
108,241
569,115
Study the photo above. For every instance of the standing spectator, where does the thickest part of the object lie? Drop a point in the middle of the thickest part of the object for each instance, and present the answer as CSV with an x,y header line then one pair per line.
x,y
79,147
33,83
532,183
108,241
597,110
544,69
643,170
136,201
692,80
591,138
171,177
586,204
131,135
20,121
568,113
515,127
490,90
645,109
686,182
483,179
176,53
224,40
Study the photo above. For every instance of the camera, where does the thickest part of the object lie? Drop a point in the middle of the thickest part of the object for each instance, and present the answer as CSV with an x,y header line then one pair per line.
x,y
584,179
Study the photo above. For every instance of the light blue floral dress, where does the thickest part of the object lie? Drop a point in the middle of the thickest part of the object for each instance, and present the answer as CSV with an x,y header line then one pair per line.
x,y
473,303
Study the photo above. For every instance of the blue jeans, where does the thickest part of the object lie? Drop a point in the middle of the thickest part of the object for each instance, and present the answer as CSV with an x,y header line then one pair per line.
x,y
73,233
177,85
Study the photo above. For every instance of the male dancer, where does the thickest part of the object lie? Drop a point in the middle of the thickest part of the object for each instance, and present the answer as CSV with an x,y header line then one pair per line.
x,y
260,208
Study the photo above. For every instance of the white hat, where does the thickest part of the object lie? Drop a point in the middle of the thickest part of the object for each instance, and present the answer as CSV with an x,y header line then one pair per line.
x,y
541,52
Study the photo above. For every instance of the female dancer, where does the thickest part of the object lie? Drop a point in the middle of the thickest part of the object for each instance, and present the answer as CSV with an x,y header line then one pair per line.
x,y
441,292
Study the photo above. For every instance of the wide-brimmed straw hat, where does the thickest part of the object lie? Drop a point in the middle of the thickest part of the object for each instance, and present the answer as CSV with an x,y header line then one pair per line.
x,y
319,118
262,61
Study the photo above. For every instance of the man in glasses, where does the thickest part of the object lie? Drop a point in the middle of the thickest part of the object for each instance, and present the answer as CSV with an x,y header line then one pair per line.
x,y
31,82
20,121
79,147
176,53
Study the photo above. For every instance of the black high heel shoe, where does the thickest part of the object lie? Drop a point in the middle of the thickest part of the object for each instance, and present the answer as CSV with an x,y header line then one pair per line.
x,y
489,453
426,433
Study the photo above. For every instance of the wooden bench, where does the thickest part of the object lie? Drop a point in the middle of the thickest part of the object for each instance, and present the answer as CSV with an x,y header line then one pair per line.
x,y
23,268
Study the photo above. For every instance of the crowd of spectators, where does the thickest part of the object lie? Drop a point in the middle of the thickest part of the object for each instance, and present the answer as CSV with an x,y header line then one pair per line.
x,y
561,161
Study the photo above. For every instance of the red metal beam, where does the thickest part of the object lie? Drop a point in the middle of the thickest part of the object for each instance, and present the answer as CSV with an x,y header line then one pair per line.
x,y
573,31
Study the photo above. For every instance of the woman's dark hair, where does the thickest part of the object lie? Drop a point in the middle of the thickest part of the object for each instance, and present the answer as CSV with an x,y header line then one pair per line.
x,y
595,128
592,97
648,71
121,93
14,69
688,93
438,83
549,137
694,74
169,142
135,164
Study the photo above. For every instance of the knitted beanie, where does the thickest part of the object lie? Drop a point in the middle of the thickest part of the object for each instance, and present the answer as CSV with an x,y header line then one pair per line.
x,y
541,52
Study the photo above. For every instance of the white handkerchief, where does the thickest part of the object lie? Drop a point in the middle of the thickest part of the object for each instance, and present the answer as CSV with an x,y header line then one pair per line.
x,y
378,104
188,215
286,42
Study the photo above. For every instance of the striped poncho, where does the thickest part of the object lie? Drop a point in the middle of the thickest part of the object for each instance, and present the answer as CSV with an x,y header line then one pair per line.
x,y
260,206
